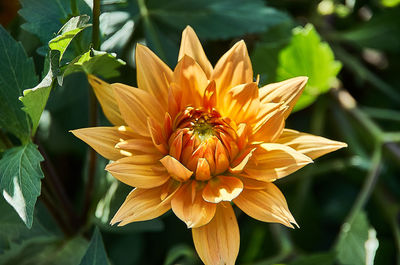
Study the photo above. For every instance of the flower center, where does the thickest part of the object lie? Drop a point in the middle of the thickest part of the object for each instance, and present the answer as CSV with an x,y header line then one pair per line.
x,y
203,142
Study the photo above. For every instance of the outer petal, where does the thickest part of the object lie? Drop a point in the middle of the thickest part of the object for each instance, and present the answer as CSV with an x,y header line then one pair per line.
x,y
103,140
139,171
152,74
189,206
234,68
142,205
287,91
274,161
270,127
311,145
218,242
136,106
241,103
268,205
191,80
191,46
222,188
106,96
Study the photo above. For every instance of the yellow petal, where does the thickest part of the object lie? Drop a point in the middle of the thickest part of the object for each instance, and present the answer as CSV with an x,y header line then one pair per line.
x,y
103,140
222,188
176,169
310,145
136,106
241,103
142,205
253,184
139,145
191,80
153,75
268,205
191,46
241,161
234,68
189,206
287,91
139,173
218,242
105,94
270,127
273,161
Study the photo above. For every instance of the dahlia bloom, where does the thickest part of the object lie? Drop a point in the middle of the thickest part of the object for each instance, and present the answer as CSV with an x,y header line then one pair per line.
x,y
200,138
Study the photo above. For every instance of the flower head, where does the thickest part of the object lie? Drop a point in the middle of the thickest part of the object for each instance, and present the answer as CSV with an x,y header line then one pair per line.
x,y
198,138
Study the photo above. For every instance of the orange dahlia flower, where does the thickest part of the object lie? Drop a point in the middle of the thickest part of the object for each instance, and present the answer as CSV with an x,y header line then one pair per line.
x,y
197,139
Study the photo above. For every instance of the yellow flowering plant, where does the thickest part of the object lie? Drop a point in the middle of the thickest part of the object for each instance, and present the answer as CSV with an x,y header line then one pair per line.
x,y
199,139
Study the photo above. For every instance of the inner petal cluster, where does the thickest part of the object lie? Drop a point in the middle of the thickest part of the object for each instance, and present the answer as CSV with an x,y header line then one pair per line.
x,y
203,142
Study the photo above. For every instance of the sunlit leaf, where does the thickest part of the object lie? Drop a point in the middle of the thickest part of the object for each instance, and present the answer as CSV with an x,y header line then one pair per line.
x,y
35,99
17,73
97,63
306,55
20,176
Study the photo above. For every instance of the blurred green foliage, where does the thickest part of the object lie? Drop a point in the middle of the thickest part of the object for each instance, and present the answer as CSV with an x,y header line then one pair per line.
x,y
347,204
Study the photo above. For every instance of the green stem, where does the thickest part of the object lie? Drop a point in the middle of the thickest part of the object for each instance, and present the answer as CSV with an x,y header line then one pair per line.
x,y
74,8
96,25
384,114
5,140
369,184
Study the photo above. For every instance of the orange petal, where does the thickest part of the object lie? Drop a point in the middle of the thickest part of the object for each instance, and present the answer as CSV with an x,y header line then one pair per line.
x,y
242,160
210,96
310,145
218,242
268,205
153,75
191,46
234,68
176,169
273,161
106,96
240,103
253,184
142,205
189,206
103,140
221,158
222,188
157,136
270,127
136,106
203,171
139,145
141,173
192,81
287,91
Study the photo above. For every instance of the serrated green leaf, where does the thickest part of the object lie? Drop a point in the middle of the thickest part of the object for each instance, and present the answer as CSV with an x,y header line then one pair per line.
x,y
17,73
97,63
20,175
35,99
45,17
96,253
351,248
306,55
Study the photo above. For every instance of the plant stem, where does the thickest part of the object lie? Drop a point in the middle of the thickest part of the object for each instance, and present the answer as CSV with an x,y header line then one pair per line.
x,y
74,8
5,140
369,184
92,117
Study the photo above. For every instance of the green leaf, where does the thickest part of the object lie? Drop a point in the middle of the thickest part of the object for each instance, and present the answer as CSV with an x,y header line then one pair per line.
x,y
180,252
351,247
35,99
316,259
97,63
20,176
68,32
17,73
306,55
96,253
45,17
